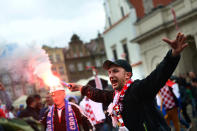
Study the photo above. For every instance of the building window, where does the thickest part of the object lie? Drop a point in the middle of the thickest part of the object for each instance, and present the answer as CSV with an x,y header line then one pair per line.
x,y
122,11
18,90
80,66
81,54
58,59
109,20
9,90
16,76
125,49
88,63
107,11
98,63
61,70
9,93
29,90
75,55
103,59
6,79
71,67
51,58
73,49
68,55
114,54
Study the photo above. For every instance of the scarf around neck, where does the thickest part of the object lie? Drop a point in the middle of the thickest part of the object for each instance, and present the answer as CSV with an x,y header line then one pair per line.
x,y
71,121
115,108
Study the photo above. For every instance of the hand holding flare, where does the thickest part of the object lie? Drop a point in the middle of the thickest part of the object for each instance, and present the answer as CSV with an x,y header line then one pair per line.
x,y
66,84
74,87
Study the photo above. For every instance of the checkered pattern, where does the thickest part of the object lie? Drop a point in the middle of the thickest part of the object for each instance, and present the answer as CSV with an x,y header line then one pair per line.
x,y
167,97
117,102
90,114
88,109
118,116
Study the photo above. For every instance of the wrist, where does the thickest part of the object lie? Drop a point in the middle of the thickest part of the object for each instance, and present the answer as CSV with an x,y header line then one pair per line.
x,y
175,53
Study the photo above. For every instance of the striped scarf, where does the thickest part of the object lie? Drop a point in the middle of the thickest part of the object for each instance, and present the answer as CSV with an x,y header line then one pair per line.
x,y
71,121
117,105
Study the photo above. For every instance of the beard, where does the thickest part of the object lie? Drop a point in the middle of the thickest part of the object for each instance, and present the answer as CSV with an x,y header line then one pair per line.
x,y
118,85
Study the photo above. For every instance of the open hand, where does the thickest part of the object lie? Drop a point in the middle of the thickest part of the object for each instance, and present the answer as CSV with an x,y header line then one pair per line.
x,y
178,44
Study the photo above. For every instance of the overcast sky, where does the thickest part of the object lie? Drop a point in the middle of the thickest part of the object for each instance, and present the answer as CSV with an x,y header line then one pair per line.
x,y
50,22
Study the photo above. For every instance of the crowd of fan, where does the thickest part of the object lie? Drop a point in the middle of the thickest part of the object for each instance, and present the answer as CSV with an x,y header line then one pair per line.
x,y
36,108
175,97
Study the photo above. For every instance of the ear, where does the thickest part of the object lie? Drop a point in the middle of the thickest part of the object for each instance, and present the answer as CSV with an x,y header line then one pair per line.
x,y
128,75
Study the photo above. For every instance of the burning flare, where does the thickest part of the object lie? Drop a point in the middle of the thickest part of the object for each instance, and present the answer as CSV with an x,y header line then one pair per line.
x,y
43,71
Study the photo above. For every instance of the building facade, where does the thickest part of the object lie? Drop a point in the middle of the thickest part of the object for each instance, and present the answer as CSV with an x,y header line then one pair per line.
x,y
56,57
119,31
80,58
15,85
158,21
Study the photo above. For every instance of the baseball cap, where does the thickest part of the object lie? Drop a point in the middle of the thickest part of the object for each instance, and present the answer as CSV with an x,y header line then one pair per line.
x,y
120,62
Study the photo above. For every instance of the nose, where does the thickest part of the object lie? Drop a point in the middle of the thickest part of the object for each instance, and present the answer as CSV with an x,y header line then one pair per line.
x,y
111,75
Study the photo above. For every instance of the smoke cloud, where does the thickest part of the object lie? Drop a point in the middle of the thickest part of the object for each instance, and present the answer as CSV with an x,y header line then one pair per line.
x,y
23,62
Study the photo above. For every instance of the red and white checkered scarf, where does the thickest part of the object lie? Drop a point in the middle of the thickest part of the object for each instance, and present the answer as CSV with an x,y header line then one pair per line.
x,y
117,105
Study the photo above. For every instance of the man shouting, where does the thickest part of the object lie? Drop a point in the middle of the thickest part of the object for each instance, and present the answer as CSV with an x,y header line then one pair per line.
x,y
131,103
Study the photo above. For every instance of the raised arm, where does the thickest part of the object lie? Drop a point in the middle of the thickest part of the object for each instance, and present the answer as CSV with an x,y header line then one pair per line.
x,y
149,87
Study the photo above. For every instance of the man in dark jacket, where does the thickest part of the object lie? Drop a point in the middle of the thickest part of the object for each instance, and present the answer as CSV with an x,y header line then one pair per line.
x,y
133,106
30,110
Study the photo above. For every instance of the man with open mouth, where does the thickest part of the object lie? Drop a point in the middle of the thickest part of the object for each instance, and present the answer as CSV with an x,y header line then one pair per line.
x,y
131,103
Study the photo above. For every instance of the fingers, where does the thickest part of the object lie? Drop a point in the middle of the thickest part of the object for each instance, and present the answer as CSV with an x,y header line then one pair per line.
x,y
184,45
170,42
177,37
183,39
167,40
180,36
178,44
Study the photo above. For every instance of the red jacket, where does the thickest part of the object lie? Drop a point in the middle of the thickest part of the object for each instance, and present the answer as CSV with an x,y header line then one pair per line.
x,y
2,114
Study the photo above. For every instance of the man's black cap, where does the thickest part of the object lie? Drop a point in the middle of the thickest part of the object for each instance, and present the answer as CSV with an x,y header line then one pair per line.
x,y
120,62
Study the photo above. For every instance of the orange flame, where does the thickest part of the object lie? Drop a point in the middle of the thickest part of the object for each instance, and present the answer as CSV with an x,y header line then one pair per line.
x,y
50,79
42,69
44,72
